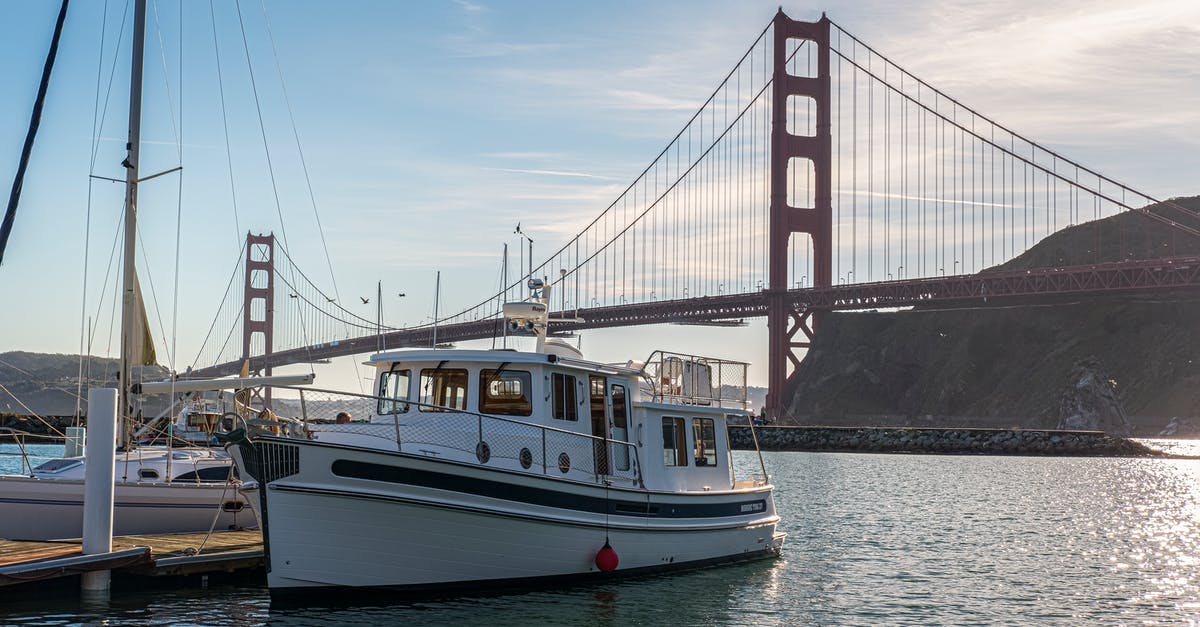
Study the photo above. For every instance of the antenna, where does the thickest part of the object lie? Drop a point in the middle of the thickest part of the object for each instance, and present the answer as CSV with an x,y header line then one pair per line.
x,y
504,286
526,236
437,296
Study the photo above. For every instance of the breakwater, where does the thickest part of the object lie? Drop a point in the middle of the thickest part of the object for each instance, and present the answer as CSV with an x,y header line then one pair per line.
x,y
939,441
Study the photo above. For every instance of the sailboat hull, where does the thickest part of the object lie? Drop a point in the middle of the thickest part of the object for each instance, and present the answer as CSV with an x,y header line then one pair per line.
x,y
48,509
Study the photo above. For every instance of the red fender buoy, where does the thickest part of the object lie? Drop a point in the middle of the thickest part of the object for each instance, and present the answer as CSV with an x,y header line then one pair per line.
x,y
606,558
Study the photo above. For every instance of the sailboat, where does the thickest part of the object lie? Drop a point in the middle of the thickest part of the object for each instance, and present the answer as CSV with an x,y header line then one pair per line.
x,y
158,489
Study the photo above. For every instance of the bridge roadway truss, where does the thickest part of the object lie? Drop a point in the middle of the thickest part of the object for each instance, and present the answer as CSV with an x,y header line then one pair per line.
x,y
982,290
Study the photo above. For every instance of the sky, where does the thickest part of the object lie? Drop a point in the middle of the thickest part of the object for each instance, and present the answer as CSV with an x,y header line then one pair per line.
x,y
430,129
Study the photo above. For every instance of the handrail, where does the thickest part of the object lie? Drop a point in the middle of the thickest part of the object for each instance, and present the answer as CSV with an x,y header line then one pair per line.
x,y
689,379
590,442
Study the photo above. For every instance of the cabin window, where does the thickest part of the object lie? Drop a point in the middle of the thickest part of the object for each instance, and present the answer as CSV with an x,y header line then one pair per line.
x,y
393,389
566,405
505,392
704,434
596,396
147,474
445,388
57,465
212,473
620,426
674,442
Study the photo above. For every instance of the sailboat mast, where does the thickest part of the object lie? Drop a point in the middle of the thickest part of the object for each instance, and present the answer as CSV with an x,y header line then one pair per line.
x,y
129,304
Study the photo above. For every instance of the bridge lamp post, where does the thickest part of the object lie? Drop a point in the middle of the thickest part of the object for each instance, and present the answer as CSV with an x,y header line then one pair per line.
x,y
955,266
942,271
803,279
849,274
898,272
562,286
889,276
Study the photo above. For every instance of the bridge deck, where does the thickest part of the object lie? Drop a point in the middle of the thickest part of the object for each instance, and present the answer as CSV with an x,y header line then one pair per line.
x,y
1103,278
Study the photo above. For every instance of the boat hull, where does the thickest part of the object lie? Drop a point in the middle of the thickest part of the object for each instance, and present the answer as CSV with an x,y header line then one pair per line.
x,y
47,509
368,519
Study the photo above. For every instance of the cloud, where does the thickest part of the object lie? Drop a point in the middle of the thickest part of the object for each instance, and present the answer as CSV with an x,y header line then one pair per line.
x,y
469,7
551,173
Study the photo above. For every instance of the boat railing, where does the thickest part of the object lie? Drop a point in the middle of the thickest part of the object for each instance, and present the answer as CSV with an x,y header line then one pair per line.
x,y
21,439
684,379
462,435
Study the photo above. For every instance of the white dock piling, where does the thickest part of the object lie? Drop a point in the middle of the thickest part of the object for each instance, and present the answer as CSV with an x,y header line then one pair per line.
x,y
98,481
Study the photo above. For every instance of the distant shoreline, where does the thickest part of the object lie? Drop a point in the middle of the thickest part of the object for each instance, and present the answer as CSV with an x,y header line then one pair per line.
x,y
1027,442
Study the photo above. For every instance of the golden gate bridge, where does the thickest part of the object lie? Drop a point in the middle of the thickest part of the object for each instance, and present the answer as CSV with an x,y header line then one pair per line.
x,y
818,176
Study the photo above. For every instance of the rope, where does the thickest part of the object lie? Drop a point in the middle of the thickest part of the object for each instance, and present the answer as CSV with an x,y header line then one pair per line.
x,y
225,124
217,516
87,222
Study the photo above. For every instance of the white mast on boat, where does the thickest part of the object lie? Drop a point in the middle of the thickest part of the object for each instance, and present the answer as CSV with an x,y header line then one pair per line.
x,y
129,304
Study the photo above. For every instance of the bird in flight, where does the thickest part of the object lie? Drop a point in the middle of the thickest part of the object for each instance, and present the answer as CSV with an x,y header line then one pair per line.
x,y
364,300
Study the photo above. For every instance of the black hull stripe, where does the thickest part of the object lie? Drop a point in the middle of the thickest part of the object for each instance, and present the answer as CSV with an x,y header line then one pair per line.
x,y
541,496
639,526
306,596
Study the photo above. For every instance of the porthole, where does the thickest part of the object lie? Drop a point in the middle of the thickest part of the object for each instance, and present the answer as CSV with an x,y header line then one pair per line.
x,y
526,458
483,452
233,506
564,462
147,474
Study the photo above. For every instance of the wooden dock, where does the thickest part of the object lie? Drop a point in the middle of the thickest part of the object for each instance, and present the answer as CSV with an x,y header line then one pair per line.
x,y
154,555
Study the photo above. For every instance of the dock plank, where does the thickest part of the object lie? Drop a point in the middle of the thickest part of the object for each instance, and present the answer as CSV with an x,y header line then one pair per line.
x,y
19,552
182,553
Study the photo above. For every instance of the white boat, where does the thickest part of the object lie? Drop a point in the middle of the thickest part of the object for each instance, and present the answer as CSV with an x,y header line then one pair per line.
x,y
158,490
476,469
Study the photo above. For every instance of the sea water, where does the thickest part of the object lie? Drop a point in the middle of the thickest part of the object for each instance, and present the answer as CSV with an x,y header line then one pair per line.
x,y
17,460
873,539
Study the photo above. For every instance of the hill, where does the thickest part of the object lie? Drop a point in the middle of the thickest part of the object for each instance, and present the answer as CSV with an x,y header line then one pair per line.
x,y
46,384
1007,363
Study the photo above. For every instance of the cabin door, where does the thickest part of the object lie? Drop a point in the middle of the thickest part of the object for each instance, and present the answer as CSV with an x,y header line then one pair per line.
x,y
620,425
600,411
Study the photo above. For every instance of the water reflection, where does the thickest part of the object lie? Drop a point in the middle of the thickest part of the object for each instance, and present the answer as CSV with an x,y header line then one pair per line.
x,y
704,597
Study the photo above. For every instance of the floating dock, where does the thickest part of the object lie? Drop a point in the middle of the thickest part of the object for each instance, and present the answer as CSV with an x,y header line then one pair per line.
x,y
146,555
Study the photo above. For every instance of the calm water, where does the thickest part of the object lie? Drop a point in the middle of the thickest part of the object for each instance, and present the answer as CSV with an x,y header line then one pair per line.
x,y
874,539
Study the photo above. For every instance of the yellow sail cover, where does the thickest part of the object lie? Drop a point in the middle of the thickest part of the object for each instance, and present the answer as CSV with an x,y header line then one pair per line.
x,y
141,343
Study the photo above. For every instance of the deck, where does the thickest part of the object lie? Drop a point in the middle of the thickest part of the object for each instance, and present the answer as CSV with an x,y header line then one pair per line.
x,y
155,555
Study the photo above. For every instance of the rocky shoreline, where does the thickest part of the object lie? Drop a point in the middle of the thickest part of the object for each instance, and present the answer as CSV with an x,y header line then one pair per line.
x,y
940,441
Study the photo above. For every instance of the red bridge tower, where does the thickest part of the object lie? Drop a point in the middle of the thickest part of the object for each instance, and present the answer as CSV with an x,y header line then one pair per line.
x,y
784,320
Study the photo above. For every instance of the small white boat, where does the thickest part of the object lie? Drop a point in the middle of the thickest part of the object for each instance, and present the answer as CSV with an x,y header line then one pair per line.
x,y
496,468
157,490
198,423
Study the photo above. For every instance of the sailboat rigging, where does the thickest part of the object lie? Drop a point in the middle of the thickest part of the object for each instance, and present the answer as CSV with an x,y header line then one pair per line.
x,y
162,489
